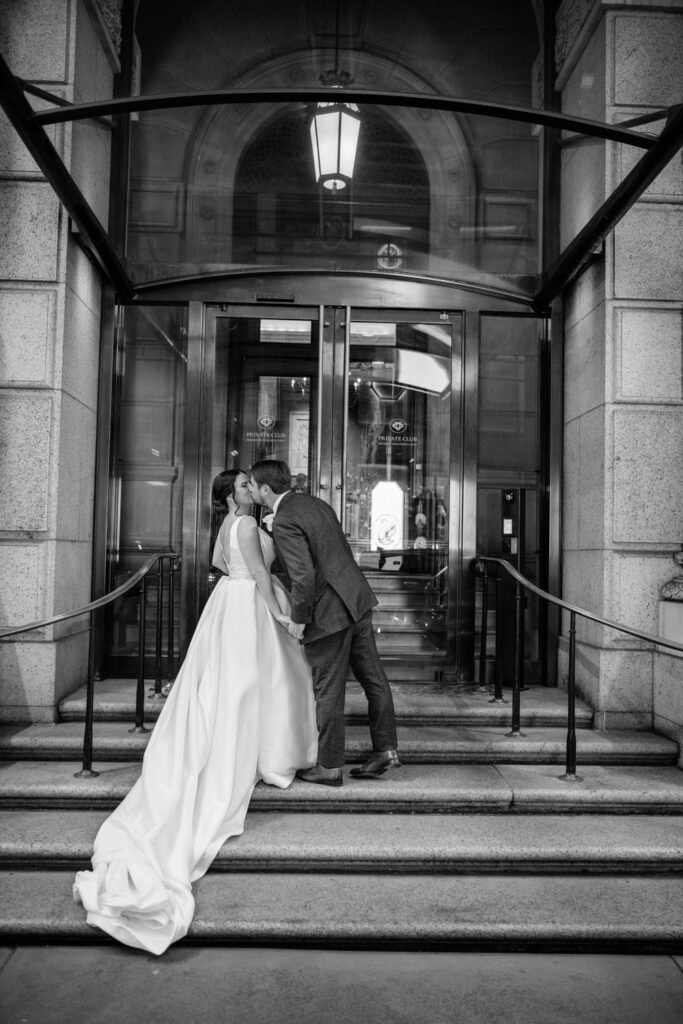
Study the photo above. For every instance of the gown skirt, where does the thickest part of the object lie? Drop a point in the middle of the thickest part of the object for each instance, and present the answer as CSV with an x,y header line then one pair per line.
x,y
241,710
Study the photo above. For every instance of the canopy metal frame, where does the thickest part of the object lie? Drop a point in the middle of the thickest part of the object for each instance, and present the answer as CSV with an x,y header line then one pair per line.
x,y
30,125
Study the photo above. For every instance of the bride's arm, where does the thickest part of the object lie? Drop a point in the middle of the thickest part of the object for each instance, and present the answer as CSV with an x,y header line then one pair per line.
x,y
250,546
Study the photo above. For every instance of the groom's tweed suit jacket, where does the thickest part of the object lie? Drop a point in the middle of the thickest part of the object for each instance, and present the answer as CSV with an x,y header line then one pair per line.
x,y
327,589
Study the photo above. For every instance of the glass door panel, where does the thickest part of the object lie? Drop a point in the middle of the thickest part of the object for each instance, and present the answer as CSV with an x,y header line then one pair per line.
x,y
360,406
509,476
398,468
262,401
266,393
147,467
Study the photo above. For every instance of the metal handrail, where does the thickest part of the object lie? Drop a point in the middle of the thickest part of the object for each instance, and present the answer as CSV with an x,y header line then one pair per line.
x,y
139,578
640,634
522,582
100,602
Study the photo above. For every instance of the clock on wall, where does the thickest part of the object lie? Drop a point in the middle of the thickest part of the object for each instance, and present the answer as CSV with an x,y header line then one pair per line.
x,y
389,256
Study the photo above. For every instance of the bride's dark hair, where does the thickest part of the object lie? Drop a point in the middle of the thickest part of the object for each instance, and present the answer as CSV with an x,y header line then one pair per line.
x,y
224,486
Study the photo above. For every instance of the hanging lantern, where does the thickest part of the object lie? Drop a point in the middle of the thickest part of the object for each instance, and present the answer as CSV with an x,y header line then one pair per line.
x,y
334,138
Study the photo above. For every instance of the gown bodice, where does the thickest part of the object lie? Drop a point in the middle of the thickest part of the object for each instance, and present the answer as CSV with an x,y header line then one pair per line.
x,y
228,557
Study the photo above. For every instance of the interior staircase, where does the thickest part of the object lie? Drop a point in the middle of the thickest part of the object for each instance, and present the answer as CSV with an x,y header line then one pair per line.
x,y
476,843
409,631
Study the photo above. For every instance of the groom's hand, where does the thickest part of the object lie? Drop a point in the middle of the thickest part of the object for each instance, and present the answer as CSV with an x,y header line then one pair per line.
x,y
284,620
296,629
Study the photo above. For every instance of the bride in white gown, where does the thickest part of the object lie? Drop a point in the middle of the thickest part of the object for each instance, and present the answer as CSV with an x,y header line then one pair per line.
x,y
241,709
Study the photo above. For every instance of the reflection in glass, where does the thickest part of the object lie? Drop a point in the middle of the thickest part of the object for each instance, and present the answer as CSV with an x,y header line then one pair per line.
x,y
265,393
147,465
397,472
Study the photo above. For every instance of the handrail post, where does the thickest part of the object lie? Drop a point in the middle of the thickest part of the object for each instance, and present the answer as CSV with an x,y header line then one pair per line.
x,y
156,691
140,691
169,630
484,626
498,697
570,771
518,662
170,659
86,771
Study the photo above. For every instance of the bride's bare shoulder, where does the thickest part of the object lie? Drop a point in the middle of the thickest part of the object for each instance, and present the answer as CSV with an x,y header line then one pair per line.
x,y
226,525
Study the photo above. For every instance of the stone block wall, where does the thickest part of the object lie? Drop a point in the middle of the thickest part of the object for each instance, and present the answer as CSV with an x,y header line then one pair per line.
x,y
623,471
50,298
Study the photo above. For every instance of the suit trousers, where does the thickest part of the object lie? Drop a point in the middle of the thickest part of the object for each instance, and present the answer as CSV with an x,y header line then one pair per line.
x,y
330,658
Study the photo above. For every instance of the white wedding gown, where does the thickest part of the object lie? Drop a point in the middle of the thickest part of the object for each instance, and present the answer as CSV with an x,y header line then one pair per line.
x,y
240,710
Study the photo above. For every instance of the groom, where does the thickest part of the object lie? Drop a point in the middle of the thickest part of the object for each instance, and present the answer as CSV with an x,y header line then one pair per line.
x,y
332,615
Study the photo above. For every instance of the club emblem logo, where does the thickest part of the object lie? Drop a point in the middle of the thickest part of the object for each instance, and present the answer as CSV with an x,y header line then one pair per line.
x,y
266,422
398,426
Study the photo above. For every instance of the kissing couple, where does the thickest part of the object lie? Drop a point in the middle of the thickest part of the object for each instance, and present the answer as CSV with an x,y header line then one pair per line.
x,y
259,696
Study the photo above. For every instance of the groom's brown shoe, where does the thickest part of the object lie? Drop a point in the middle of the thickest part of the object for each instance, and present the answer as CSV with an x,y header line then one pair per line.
x,y
323,776
381,761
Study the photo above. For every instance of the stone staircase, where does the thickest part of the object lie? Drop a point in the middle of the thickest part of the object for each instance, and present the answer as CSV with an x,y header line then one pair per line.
x,y
476,843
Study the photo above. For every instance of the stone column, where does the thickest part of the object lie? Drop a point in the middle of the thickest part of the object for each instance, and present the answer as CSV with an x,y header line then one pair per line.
x,y
623,479
50,297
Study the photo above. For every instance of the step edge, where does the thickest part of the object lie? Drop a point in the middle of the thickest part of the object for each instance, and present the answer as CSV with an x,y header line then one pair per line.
x,y
304,865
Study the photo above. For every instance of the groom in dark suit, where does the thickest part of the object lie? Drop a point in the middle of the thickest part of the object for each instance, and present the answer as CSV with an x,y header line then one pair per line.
x,y
332,615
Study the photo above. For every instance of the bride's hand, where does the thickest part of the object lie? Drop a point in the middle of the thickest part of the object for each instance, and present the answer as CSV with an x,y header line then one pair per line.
x,y
284,620
296,629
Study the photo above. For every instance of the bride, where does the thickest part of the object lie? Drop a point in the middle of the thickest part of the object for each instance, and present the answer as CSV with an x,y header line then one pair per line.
x,y
241,709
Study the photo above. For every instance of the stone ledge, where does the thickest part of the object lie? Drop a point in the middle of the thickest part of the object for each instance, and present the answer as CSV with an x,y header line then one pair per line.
x,y
423,789
481,911
418,702
423,844
433,744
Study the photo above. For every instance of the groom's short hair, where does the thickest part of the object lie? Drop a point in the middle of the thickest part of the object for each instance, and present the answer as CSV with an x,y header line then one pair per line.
x,y
273,472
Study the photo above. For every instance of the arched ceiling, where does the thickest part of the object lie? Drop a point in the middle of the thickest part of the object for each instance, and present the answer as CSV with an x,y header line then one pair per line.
x,y
483,50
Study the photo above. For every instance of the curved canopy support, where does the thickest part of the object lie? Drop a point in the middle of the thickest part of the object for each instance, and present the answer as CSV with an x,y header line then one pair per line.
x,y
425,101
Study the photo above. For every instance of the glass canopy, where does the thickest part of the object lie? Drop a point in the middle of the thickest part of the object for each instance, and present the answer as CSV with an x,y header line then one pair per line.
x,y
214,170
437,193
237,188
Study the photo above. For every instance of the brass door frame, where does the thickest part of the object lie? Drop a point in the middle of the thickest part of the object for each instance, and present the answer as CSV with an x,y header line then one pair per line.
x,y
335,298
329,481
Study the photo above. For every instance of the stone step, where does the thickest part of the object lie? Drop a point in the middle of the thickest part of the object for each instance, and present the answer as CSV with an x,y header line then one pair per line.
x,y
392,597
420,788
415,843
400,617
415,703
368,910
425,667
393,582
397,641
423,663
114,741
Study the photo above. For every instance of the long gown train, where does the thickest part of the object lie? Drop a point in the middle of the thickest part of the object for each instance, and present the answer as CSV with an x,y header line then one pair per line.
x,y
241,709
